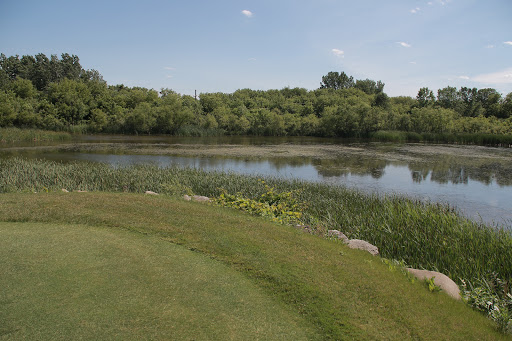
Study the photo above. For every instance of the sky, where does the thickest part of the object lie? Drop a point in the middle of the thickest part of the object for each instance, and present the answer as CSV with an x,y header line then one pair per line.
x,y
225,45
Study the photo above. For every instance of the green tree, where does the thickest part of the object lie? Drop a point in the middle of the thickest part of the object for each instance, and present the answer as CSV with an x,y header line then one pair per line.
x,y
448,97
425,97
506,107
7,109
369,86
336,80
23,88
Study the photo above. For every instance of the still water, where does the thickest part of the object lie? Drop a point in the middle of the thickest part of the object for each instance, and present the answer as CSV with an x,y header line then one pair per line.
x,y
476,180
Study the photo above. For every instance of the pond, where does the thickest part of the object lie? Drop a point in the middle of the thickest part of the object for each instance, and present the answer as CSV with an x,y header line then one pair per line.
x,y
476,180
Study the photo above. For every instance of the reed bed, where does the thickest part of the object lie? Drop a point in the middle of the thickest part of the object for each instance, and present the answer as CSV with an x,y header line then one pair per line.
x,y
495,140
9,135
423,235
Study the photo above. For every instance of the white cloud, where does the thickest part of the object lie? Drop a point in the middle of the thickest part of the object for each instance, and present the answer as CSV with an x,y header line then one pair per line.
x,y
169,76
413,63
490,46
508,42
338,53
430,3
500,77
404,44
415,10
169,68
463,77
247,13
252,59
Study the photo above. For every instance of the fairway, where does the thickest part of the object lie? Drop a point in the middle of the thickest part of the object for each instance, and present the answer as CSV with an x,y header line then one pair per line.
x,y
70,282
116,266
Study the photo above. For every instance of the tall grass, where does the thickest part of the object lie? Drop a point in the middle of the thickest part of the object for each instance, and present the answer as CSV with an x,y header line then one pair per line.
x,y
8,135
496,140
424,235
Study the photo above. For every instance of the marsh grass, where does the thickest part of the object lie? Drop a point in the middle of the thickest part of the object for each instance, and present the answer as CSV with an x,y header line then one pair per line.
x,y
9,135
423,235
496,140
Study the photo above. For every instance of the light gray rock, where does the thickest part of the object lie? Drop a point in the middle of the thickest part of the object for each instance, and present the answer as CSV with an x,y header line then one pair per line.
x,y
441,280
338,234
151,193
65,190
187,197
363,245
200,198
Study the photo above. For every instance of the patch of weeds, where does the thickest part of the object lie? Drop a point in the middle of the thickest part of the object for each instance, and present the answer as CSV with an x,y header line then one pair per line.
x,y
493,298
431,285
280,207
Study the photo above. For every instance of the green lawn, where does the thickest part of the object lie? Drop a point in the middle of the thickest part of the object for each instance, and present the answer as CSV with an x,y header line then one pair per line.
x,y
74,282
129,266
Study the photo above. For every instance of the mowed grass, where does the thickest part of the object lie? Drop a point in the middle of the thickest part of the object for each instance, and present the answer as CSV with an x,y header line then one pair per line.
x,y
71,282
341,293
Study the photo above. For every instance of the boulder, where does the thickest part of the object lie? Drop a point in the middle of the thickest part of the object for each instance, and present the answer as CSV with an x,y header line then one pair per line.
x,y
441,280
363,245
151,193
200,198
337,234
65,190
187,197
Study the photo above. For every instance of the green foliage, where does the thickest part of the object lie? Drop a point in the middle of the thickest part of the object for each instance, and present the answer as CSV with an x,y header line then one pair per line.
x,y
432,287
57,94
492,297
281,208
17,135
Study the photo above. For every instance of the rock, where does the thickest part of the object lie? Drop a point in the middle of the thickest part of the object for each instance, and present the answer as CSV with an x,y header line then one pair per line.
x,y
363,245
65,190
441,280
151,193
187,197
79,191
200,198
337,234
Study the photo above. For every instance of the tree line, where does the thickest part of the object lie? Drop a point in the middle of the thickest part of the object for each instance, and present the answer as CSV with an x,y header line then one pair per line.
x,y
58,94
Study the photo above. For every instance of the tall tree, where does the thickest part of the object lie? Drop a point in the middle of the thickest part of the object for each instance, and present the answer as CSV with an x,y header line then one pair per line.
x,y
447,97
369,86
425,97
335,80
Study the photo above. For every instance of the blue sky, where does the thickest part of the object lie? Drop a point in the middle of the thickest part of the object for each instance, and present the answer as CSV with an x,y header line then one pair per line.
x,y
212,46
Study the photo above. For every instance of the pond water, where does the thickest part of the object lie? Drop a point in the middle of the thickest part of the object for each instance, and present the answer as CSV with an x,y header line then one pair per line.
x,y
476,180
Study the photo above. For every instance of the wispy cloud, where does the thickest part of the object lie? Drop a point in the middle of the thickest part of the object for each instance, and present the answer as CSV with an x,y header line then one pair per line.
x,y
169,68
413,63
430,3
508,43
252,59
490,46
463,77
168,76
247,13
338,53
415,10
403,44
500,77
